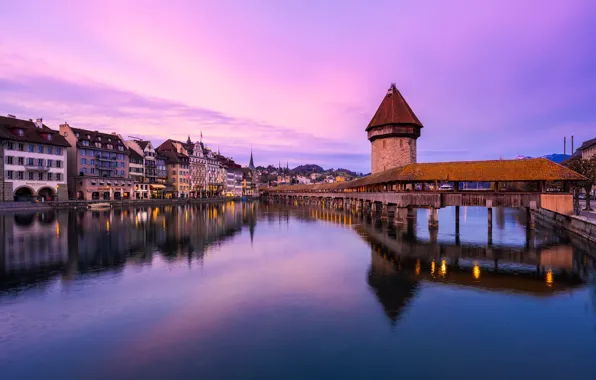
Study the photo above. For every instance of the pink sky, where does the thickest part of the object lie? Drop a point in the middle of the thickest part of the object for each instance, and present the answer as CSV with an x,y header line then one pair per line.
x,y
300,80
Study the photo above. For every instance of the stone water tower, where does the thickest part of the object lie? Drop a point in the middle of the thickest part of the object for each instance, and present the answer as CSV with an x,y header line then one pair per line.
x,y
392,133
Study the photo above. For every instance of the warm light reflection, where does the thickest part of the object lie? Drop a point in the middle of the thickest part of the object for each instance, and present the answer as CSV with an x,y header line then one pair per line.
x,y
549,277
443,270
476,271
417,267
108,225
57,229
432,267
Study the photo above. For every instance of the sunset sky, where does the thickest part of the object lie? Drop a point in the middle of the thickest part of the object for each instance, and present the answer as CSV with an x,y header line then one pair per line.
x,y
299,80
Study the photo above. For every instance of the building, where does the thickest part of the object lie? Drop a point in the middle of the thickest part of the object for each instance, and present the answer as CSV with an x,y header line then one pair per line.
x,y
177,163
392,133
233,177
250,178
161,177
587,149
34,160
136,172
97,165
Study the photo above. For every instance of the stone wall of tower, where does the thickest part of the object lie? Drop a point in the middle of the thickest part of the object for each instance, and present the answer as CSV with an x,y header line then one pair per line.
x,y
391,152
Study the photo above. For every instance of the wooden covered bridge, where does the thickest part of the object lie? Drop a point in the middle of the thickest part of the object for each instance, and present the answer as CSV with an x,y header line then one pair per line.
x,y
394,193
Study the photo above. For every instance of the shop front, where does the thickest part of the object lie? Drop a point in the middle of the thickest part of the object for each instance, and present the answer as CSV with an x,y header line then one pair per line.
x,y
157,190
102,188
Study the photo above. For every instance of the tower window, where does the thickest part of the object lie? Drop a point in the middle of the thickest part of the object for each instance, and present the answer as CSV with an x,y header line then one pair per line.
x,y
384,143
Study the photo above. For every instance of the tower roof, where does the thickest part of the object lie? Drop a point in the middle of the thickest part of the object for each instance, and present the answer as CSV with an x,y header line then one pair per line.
x,y
394,110
251,164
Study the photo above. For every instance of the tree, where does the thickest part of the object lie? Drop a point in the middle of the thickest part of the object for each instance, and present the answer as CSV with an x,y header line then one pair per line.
x,y
587,168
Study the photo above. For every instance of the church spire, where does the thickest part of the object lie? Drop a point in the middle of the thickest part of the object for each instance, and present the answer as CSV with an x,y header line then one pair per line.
x,y
188,141
251,164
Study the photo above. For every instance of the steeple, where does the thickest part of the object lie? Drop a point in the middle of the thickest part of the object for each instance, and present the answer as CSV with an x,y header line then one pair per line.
x,y
188,141
251,164
394,110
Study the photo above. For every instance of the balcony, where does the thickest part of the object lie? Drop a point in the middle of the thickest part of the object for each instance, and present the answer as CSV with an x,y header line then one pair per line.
x,y
36,168
100,158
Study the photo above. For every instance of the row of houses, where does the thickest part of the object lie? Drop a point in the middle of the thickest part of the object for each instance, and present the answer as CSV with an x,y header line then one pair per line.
x,y
38,162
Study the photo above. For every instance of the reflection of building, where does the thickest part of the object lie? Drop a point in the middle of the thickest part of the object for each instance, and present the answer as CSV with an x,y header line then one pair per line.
x,y
97,165
34,160
80,241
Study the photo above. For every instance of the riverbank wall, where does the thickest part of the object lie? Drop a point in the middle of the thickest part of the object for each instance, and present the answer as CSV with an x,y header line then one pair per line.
x,y
45,206
579,225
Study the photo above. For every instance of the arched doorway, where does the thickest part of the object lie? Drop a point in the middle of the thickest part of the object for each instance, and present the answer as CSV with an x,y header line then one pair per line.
x,y
46,193
23,194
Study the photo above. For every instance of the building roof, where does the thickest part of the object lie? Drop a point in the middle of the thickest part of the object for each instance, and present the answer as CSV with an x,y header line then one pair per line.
x,y
135,155
394,110
99,137
142,143
534,169
586,144
31,134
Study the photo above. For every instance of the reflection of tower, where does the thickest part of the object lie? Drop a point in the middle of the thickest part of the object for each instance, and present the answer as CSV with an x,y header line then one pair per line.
x,y
393,290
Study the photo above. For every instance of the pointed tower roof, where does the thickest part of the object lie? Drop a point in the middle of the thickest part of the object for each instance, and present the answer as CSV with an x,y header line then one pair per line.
x,y
394,110
251,164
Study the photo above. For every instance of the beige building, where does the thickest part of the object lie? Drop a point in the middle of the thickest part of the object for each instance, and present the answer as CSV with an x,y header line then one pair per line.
x,y
178,162
587,149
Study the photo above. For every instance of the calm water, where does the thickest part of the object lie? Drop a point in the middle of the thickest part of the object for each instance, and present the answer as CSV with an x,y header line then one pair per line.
x,y
258,291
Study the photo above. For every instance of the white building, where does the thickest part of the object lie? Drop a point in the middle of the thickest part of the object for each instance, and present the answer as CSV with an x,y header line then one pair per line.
x,y
303,180
34,160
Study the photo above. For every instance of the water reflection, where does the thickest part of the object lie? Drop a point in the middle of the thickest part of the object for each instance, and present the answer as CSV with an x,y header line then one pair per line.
x,y
38,247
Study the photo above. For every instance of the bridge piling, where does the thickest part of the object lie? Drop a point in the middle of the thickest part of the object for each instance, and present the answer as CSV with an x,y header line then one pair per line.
x,y
433,217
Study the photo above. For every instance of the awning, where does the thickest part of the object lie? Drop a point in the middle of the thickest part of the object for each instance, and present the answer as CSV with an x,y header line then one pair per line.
x,y
157,186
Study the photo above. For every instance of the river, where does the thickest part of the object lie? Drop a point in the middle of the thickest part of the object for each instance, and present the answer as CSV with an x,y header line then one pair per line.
x,y
269,291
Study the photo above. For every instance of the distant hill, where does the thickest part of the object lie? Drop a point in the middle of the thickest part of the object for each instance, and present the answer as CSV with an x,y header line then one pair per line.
x,y
555,157
307,169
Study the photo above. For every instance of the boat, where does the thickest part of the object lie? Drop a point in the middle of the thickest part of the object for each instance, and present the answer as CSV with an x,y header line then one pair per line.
x,y
99,206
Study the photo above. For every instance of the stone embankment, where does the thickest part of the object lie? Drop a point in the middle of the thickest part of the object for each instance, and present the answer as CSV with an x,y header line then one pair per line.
x,y
579,225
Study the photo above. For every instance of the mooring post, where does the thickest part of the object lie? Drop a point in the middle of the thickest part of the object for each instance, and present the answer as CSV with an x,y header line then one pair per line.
x,y
433,217
384,211
530,218
457,220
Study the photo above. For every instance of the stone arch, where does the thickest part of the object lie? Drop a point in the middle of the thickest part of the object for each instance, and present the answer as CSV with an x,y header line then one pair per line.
x,y
24,193
47,193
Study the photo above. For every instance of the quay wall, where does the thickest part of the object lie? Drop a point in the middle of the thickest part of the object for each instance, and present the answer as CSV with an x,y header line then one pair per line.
x,y
578,225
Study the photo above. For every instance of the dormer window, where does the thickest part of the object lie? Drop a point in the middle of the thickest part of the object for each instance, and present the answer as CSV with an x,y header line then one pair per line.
x,y
76,134
85,142
99,138
19,132
98,144
88,137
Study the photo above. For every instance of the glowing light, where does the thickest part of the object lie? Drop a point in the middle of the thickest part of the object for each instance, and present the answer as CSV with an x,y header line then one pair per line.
x,y
417,267
476,271
108,225
432,268
549,277
443,270
57,229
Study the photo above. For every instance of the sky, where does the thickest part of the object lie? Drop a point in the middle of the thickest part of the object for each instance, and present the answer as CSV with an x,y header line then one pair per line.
x,y
299,80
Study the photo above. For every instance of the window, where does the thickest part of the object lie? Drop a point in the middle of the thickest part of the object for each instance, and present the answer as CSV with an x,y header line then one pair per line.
x,y
21,160
65,134
50,149
49,163
109,146
40,149
98,145
48,136
40,162
83,161
88,137
92,170
58,176
20,174
9,160
122,172
85,143
173,172
120,156
59,151
9,145
20,132
58,163
121,164
92,161
120,148
9,174
84,170
30,161
40,176
30,147
21,147
49,176
99,138
30,175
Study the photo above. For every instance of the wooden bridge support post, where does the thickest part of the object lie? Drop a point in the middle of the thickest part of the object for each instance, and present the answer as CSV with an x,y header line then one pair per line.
x,y
384,211
411,212
530,218
433,217
456,220
401,216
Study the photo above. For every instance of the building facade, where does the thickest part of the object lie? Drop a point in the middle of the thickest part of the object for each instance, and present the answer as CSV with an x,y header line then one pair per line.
x,y
392,133
34,162
178,171
97,165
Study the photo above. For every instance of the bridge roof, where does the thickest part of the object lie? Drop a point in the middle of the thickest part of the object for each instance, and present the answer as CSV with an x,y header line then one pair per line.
x,y
534,169
394,110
